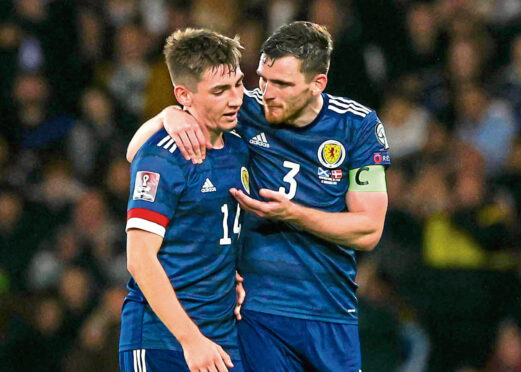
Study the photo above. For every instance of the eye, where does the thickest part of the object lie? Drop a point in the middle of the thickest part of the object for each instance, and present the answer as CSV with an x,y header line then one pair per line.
x,y
281,84
218,92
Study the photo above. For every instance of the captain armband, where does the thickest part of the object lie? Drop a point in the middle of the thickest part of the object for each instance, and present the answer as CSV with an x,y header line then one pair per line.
x,y
370,178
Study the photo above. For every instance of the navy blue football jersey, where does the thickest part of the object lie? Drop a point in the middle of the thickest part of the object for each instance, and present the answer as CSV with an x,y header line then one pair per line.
x,y
288,271
191,208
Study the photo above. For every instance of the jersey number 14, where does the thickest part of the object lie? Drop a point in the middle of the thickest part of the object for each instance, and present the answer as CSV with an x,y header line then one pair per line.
x,y
236,226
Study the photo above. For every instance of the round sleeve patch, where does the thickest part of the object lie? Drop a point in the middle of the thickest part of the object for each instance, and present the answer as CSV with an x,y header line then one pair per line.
x,y
380,136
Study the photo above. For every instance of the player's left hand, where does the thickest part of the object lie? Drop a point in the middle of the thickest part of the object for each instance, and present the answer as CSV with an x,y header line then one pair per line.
x,y
278,207
241,295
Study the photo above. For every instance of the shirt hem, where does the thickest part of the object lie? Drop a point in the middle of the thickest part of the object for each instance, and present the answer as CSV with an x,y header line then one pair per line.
x,y
289,314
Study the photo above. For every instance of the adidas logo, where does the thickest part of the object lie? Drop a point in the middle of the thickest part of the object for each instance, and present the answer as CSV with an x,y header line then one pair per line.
x,y
260,140
208,186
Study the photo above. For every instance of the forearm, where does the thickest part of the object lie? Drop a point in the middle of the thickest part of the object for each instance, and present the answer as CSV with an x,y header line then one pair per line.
x,y
357,230
143,134
155,285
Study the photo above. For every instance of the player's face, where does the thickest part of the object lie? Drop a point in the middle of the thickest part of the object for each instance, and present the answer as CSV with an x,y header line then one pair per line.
x,y
286,93
218,98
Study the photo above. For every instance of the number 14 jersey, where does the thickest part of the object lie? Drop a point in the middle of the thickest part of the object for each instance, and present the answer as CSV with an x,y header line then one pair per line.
x,y
288,271
191,207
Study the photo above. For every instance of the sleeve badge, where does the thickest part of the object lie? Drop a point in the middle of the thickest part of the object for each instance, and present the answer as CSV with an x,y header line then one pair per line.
x,y
245,179
380,136
145,187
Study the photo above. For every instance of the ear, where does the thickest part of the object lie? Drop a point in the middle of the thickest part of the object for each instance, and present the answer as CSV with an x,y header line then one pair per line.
x,y
183,95
318,85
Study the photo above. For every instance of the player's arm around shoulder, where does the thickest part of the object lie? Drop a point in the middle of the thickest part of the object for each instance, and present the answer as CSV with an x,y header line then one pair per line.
x,y
182,127
144,132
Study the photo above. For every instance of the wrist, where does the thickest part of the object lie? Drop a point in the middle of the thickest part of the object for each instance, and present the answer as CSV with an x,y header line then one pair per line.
x,y
294,212
189,335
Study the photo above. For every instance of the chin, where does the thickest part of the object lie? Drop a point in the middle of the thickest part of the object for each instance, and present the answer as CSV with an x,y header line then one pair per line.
x,y
228,126
274,119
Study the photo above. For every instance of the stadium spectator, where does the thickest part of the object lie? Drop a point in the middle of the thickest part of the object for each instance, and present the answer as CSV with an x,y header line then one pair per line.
x,y
406,125
96,134
487,124
424,45
127,75
508,85
506,356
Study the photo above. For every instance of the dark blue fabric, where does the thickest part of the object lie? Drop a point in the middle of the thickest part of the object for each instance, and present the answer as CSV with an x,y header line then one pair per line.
x,y
272,343
199,263
162,361
288,271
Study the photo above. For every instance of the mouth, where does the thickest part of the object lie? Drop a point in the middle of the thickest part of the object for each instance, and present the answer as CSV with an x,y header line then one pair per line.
x,y
231,115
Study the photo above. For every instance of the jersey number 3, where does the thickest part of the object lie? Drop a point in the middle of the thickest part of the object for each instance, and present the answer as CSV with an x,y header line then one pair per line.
x,y
294,168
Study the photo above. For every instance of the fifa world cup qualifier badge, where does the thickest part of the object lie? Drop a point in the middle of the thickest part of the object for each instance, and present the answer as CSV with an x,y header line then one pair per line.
x,y
145,187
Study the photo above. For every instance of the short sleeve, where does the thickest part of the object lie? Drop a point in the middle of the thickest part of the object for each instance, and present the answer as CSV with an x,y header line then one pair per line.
x,y
155,187
370,146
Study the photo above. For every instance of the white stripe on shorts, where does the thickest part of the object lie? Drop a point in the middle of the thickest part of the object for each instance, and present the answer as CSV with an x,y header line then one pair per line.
x,y
144,365
134,356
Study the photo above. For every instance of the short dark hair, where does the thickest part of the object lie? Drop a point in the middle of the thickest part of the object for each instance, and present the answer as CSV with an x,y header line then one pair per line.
x,y
307,41
189,52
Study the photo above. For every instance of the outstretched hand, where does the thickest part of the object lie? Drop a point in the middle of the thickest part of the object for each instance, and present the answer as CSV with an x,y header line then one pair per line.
x,y
278,207
186,132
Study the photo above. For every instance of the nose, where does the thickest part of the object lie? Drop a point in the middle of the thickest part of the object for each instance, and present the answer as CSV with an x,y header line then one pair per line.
x,y
236,96
267,92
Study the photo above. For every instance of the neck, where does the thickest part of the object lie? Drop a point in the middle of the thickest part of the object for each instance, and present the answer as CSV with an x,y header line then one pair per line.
x,y
213,137
309,112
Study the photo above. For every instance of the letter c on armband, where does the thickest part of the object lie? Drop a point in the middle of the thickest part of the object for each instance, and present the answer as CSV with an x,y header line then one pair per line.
x,y
357,177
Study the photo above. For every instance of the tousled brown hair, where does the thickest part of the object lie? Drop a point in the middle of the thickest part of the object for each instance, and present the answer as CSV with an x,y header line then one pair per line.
x,y
306,41
189,52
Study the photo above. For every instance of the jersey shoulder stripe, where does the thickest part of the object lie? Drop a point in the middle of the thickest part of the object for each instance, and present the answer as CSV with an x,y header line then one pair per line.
x,y
167,143
256,94
350,102
342,105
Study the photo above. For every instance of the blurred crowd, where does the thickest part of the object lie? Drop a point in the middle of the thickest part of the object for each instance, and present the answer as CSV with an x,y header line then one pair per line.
x,y
442,290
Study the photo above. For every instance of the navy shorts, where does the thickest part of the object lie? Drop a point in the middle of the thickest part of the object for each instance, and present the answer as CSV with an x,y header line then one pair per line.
x,y
152,360
273,343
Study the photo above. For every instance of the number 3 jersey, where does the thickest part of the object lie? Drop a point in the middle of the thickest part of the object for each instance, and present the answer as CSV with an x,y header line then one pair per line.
x,y
191,207
288,271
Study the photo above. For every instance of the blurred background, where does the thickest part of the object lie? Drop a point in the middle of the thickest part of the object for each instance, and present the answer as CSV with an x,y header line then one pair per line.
x,y
441,292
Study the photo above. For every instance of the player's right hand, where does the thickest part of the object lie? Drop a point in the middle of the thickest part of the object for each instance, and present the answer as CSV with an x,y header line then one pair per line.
x,y
204,355
186,132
